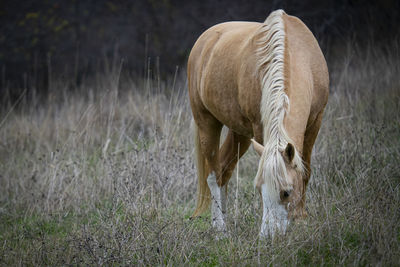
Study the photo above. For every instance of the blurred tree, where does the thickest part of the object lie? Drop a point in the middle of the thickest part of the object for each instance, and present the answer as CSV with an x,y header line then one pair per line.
x,y
42,39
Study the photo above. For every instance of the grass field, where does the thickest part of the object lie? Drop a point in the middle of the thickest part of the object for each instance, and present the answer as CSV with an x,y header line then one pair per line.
x,y
105,175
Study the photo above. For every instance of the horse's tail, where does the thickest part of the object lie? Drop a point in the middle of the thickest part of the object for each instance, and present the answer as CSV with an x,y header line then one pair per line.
x,y
203,191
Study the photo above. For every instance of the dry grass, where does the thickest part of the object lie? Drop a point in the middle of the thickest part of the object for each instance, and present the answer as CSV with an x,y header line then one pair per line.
x,y
105,175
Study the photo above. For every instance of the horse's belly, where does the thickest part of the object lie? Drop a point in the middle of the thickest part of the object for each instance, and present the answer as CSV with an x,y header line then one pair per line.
x,y
228,112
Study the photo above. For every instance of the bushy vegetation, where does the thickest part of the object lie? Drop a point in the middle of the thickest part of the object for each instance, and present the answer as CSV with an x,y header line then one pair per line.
x,y
42,39
105,175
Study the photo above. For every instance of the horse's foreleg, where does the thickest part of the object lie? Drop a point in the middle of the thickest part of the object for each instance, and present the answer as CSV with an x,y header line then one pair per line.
x,y
309,140
232,150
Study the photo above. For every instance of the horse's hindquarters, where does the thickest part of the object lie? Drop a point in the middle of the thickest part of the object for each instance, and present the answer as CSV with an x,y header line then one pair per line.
x,y
219,80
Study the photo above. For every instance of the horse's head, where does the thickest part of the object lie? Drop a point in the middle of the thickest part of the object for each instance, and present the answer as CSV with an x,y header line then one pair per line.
x,y
282,196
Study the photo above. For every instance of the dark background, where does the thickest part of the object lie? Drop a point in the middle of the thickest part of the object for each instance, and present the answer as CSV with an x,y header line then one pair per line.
x,y
75,39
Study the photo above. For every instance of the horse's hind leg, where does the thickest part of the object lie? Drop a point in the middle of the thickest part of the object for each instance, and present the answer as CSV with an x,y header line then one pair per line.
x,y
209,135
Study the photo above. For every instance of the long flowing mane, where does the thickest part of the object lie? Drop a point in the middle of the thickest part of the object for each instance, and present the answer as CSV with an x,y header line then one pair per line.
x,y
274,104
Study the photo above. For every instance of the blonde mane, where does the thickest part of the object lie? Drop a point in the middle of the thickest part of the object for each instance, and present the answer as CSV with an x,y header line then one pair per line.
x,y
274,105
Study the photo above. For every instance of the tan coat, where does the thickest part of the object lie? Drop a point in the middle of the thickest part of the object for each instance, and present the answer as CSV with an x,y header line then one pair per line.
x,y
225,89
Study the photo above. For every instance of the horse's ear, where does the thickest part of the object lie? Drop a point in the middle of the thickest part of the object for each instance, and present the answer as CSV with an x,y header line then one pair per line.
x,y
289,152
258,147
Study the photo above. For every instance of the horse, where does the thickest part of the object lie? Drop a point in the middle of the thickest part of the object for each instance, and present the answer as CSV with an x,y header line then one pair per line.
x,y
268,83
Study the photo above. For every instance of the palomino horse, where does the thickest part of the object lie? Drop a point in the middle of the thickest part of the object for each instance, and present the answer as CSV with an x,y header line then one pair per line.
x,y
263,80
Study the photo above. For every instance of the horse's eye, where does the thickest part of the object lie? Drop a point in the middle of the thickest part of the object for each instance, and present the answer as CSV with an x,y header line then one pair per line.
x,y
286,194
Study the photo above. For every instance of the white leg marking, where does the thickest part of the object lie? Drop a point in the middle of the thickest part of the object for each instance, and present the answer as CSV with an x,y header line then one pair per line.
x,y
275,216
217,215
